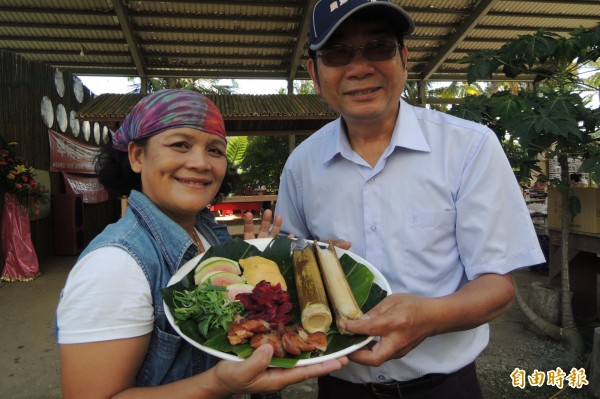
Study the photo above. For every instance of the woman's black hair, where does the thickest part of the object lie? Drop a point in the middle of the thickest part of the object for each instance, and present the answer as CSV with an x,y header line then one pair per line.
x,y
114,171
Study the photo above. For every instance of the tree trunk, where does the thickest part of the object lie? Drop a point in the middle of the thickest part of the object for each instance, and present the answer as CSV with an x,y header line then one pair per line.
x,y
551,330
568,333
569,330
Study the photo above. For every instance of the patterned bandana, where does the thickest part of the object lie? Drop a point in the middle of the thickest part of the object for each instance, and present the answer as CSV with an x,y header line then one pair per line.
x,y
168,109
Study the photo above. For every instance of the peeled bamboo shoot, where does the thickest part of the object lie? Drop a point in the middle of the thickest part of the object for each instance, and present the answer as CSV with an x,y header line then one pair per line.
x,y
315,315
339,291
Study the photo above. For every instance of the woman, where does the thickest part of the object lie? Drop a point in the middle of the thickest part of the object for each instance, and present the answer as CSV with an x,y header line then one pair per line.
x,y
115,341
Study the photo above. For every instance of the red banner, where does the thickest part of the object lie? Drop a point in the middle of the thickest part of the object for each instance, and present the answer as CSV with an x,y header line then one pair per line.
x,y
68,155
88,186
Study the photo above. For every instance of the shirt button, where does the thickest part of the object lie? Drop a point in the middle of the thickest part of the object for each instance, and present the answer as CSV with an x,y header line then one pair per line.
x,y
373,228
381,377
371,181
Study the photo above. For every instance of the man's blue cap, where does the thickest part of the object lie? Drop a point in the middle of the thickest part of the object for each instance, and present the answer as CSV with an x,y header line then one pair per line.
x,y
328,15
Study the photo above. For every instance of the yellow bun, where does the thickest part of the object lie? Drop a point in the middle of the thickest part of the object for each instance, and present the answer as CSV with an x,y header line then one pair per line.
x,y
257,268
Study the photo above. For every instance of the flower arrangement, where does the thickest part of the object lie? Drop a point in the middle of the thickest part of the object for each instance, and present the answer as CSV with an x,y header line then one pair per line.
x,y
16,176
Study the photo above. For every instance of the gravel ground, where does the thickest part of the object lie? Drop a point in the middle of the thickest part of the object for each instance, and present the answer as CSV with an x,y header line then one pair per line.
x,y
29,367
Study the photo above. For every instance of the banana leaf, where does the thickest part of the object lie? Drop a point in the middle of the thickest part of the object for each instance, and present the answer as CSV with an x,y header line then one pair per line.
x,y
367,294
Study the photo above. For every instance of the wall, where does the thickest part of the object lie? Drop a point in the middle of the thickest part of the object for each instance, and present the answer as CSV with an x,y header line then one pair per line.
x,y
33,98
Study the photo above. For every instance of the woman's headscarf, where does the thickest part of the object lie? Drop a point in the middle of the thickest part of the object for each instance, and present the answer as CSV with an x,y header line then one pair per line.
x,y
168,109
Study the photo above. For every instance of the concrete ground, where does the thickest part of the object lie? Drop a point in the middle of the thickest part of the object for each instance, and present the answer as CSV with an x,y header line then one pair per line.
x,y
29,367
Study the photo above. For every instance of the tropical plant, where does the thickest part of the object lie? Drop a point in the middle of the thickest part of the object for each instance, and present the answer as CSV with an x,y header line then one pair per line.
x,y
300,87
264,161
551,118
236,150
452,92
204,86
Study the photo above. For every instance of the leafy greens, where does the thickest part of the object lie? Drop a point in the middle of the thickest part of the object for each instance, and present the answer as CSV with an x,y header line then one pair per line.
x,y
209,306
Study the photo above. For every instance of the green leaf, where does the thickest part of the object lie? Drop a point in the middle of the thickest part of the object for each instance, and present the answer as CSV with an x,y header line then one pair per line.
x,y
504,105
236,149
514,69
531,48
554,117
376,295
592,164
562,105
482,68
236,249
190,328
588,43
358,277
473,109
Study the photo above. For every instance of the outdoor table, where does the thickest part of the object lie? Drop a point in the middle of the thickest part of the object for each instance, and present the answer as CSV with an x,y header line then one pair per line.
x,y
243,203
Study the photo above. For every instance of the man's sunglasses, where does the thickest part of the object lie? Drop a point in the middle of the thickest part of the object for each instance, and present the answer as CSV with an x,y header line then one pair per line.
x,y
342,54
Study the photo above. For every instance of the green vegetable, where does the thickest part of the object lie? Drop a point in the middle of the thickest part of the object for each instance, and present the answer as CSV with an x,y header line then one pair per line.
x,y
208,306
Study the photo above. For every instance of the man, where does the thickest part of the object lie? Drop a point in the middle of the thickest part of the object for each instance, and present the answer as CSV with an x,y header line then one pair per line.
x,y
409,189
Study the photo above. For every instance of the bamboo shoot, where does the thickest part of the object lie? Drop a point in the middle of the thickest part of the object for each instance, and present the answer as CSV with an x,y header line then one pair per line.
x,y
339,291
315,312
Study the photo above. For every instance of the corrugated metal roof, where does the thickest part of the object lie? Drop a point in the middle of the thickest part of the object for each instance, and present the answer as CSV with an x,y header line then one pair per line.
x,y
243,114
256,39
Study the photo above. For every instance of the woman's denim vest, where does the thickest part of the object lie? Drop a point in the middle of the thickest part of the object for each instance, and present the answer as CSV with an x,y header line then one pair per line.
x,y
160,246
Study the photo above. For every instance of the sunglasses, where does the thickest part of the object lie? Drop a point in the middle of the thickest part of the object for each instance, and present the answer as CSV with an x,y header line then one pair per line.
x,y
342,54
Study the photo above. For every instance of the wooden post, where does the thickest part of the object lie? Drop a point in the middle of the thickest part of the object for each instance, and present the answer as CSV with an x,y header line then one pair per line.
x,y
594,377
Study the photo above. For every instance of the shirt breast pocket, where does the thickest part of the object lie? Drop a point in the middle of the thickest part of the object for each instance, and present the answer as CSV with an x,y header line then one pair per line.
x,y
429,243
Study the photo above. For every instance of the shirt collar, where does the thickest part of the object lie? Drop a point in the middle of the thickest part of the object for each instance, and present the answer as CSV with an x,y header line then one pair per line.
x,y
407,134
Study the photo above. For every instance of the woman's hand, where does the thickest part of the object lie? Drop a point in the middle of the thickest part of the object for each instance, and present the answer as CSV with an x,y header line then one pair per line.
x,y
254,376
265,229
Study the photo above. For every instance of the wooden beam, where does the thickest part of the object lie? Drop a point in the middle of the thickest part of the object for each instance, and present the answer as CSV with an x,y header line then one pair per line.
x,y
136,54
301,39
465,28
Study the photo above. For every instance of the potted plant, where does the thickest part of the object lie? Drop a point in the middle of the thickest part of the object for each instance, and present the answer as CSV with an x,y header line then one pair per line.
x,y
19,189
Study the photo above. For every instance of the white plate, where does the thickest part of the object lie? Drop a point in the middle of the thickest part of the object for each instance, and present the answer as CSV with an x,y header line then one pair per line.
x,y
261,244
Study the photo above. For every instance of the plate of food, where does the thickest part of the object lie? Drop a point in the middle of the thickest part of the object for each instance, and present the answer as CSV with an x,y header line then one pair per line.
x,y
283,291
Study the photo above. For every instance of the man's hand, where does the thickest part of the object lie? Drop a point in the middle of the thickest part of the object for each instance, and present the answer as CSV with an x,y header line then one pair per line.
x,y
403,321
265,229
400,322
